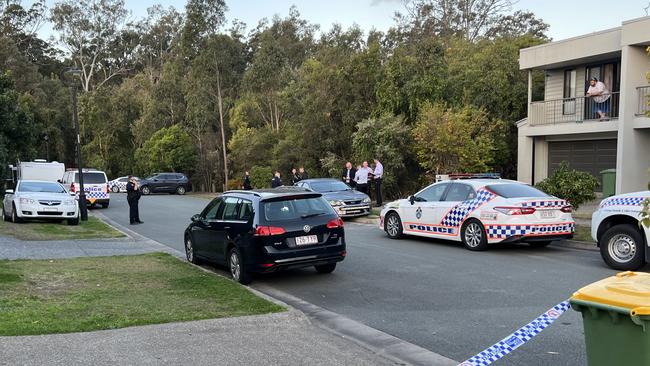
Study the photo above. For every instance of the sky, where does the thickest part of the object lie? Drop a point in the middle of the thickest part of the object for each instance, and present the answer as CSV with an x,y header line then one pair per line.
x,y
567,18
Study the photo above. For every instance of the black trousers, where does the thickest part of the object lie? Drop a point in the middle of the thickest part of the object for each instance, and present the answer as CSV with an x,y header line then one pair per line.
x,y
134,213
378,191
362,188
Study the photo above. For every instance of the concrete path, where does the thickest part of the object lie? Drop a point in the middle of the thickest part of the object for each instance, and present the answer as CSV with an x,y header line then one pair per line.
x,y
279,339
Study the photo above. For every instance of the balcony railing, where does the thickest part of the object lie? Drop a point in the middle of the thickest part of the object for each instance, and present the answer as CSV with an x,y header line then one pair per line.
x,y
573,110
644,100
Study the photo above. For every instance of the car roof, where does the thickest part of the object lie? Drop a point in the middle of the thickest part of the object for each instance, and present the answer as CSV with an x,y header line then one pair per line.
x,y
36,181
270,193
477,183
311,180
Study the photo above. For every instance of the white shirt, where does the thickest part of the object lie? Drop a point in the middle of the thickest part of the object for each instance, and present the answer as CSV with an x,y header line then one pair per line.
x,y
361,177
379,170
600,89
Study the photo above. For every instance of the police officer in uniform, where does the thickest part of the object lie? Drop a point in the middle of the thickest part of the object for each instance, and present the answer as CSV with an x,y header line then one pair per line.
x,y
133,197
247,182
276,181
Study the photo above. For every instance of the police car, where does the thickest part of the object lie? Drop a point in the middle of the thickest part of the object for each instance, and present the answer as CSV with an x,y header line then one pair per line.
x,y
479,212
95,185
615,226
118,185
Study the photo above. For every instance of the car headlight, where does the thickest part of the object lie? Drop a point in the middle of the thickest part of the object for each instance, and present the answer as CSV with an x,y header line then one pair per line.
x,y
336,203
69,202
366,200
27,201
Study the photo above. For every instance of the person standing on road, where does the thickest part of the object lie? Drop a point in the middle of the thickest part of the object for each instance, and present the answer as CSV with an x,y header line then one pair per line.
x,y
361,177
295,177
379,174
349,174
277,180
133,197
303,173
247,182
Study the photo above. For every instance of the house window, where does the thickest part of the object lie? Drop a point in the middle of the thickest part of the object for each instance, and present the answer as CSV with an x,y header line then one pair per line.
x,y
569,102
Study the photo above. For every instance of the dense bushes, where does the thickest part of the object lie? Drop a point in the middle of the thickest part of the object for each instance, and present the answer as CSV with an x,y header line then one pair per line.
x,y
574,186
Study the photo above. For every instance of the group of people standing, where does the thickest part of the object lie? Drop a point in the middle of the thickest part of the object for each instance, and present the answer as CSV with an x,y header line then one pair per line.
x,y
363,176
276,181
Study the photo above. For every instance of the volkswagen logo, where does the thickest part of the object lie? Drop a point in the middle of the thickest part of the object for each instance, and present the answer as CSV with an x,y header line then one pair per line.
x,y
306,228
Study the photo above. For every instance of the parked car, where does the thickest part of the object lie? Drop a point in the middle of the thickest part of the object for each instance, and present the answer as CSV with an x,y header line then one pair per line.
x,y
118,185
35,199
479,212
615,227
95,186
166,183
265,231
347,202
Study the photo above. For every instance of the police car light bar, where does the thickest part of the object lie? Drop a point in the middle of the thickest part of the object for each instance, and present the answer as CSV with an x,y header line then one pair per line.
x,y
441,177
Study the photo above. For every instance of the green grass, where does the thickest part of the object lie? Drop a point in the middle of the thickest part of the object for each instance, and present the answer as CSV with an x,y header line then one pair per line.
x,y
85,294
582,233
41,230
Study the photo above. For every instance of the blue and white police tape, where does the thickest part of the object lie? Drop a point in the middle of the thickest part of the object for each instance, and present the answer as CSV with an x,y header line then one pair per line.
x,y
518,338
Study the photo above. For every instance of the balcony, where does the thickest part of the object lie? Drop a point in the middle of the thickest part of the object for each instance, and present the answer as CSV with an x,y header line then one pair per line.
x,y
643,93
572,110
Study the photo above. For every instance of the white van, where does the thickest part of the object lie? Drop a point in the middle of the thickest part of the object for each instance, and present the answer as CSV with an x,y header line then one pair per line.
x,y
95,185
39,170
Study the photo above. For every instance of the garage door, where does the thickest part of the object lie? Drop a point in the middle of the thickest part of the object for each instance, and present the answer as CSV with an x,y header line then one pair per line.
x,y
591,156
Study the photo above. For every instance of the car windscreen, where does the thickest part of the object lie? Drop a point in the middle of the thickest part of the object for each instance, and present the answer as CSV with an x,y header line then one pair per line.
x,y
296,209
516,190
44,187
91,178
328,186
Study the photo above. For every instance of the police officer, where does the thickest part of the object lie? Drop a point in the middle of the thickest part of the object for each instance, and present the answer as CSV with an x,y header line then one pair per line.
x,y
295,177
247,182
276,181
133,197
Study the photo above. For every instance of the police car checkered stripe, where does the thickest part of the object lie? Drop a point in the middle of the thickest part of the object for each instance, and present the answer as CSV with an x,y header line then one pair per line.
x,y
518,338
505,231
624,201
546,204
458,214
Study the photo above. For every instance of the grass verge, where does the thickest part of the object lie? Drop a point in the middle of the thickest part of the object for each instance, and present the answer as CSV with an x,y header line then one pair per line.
x,y
582,233
41,230
85,294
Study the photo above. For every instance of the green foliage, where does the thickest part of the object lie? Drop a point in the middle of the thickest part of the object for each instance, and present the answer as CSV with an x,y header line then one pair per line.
x,y
169,149
644,219
261,176
572,185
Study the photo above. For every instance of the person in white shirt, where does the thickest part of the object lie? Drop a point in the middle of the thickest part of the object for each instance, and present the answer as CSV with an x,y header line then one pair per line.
x,y
361,177
379,175
600,96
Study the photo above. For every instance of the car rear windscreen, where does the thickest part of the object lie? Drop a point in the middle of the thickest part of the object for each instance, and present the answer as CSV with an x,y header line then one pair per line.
x,y
296,209
45,187
516,190
91,178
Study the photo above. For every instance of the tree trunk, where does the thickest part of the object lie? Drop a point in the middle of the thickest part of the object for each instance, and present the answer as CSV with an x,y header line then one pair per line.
x,y
223,130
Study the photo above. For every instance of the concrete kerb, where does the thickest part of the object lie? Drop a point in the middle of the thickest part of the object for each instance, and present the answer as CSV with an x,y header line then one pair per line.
x,y
374,340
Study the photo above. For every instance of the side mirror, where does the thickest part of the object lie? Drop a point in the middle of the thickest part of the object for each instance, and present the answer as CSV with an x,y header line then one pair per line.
x,y
412,199
9,191
196,218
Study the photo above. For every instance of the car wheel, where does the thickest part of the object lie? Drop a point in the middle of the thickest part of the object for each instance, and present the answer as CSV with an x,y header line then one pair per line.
x,y
540,244
393,226
73,222
115,189
105,205
180,190
236,267
4,215
145,190
189,251
622,247
473,235
14,216
325,268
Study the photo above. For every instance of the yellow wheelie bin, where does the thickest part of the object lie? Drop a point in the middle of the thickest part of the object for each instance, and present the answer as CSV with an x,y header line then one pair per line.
x,y
616,318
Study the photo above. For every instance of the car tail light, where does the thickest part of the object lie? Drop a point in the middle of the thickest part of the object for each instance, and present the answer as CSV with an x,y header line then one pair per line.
x,y
335,223
107,189
72,188
567,209
516,210
269,231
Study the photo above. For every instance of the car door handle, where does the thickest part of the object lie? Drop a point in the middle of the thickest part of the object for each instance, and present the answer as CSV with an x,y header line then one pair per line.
x,y
226,227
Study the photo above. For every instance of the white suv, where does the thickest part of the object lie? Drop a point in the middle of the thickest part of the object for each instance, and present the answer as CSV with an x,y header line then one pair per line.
x,y
624,245
95,185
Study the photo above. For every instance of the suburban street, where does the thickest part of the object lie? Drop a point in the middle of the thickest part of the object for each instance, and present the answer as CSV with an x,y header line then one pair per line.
x,y
434,294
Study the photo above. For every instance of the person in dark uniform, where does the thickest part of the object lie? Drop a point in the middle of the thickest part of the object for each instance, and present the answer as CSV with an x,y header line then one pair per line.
x,y
303,173
133,197
247,182
348,175
295,177
276,181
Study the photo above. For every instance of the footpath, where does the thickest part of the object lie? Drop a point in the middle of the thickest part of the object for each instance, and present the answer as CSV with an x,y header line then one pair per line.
x,y
287,338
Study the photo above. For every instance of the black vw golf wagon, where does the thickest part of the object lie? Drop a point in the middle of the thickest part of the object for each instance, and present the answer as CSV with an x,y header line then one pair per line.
x,y
265,231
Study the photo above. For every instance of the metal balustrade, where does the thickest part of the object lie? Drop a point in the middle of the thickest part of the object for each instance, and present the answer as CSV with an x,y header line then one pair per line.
x,y
643,93
572,110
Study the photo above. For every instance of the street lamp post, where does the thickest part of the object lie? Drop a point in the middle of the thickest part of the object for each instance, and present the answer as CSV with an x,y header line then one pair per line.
x,y
83,209
47,147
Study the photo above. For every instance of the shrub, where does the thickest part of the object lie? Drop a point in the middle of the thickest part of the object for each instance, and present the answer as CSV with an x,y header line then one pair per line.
x,y
574,186
261,176
234,184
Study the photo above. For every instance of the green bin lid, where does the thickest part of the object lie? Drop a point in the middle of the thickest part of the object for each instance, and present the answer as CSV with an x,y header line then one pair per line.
x,y
608,171
629,290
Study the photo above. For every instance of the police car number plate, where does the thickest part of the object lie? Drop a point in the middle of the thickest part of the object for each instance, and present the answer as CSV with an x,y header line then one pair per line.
x,y
304,240
548,214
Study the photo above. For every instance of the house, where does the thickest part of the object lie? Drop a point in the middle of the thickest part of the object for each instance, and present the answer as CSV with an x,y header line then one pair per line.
x,y
566,125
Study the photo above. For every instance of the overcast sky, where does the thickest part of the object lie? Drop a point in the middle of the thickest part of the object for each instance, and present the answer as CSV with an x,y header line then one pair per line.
x,y
567,18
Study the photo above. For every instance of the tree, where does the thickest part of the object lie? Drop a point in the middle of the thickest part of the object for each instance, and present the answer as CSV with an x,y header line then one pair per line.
x,y
572,185
92,32
203,18
169,149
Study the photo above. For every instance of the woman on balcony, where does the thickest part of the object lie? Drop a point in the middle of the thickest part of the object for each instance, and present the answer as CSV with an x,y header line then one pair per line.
x,y
600,96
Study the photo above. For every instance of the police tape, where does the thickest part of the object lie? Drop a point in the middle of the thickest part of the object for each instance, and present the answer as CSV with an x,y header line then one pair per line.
x,y
518,338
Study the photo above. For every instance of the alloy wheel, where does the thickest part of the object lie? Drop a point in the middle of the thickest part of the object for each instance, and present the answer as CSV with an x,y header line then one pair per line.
x,y
622,248
473,235
235,266
392,225
189,250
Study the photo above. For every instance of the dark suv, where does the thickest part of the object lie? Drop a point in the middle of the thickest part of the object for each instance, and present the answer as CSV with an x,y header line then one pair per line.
x,y
165,183
265,231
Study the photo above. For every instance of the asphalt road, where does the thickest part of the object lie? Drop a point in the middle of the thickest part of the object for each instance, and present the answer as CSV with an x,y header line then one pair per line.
x,y
434,294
